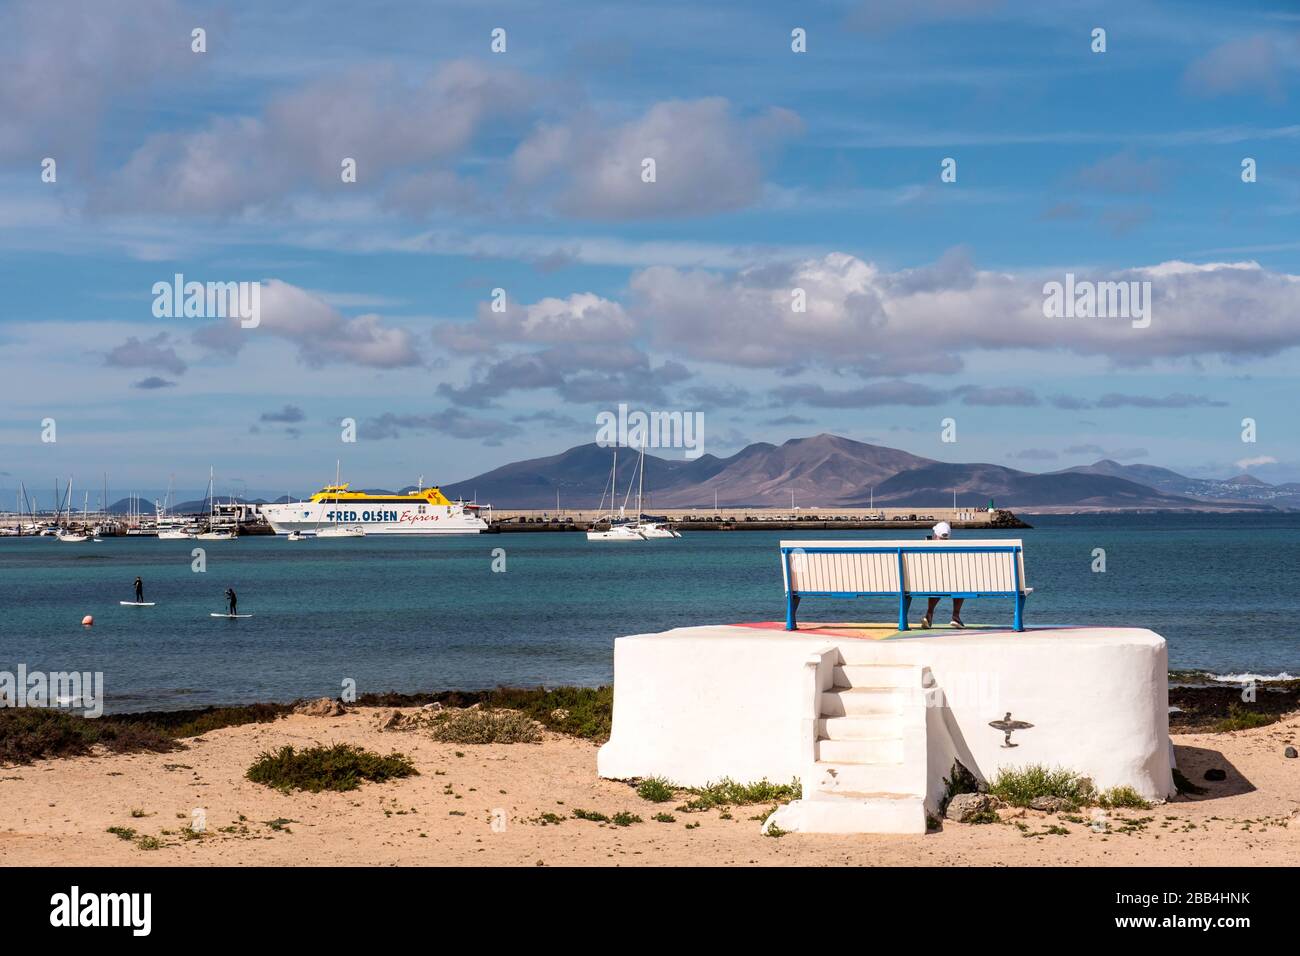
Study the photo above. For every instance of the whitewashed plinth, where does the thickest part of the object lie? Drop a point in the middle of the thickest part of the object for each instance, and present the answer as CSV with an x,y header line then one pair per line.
x,y
696,704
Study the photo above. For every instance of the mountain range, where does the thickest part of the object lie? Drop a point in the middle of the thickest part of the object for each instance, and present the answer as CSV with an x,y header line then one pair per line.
x,y
828,471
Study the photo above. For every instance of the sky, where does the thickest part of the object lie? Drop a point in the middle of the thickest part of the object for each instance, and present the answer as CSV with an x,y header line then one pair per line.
x,y
777,174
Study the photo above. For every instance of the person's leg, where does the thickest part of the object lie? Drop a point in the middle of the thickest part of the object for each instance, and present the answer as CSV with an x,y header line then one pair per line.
x,y
929,612
956,610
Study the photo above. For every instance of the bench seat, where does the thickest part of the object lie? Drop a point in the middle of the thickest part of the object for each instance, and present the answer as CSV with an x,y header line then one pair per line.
x,y
903,570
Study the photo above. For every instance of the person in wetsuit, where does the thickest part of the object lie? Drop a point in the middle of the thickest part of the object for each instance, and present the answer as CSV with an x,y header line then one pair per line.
x,y
139,591
231,601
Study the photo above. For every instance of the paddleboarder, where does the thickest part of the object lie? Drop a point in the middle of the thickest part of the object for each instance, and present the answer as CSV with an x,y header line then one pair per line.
x,y
231,601
139,590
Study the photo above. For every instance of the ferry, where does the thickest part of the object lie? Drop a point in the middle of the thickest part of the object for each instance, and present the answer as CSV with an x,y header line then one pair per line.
x,y
424,511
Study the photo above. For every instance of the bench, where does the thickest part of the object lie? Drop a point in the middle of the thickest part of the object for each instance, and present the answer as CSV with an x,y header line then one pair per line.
x,y
904,569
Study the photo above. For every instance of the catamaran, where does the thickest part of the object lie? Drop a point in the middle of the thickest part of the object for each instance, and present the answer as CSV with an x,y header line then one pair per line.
x,y
423,511
618,530
644,525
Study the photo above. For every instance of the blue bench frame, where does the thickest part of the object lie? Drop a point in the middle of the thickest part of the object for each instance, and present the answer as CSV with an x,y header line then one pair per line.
x,y
905,597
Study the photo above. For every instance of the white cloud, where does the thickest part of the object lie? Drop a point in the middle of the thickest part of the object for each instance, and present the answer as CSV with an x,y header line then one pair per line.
x,y
706,160
322,334
582,318
1245,463
922,320
65,63
1250,64
371,115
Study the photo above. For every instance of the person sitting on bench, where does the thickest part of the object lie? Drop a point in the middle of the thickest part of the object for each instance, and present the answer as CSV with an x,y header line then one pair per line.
x,y
942,532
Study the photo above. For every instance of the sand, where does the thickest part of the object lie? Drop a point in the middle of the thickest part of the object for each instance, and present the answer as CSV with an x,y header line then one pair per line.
x,y
58,811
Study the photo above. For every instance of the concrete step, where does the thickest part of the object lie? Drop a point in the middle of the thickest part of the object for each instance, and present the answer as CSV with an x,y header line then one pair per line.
x,y
872,675
885,750
868,727
833,778
861,701
853,813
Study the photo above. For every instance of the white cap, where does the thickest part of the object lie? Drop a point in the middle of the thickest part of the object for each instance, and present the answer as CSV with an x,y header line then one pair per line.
x,y
942,530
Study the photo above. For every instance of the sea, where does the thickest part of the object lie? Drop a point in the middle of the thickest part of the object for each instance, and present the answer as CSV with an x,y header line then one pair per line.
x,y
530,609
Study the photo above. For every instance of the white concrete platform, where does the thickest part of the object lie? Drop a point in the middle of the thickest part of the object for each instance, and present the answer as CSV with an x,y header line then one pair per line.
x,y
871,721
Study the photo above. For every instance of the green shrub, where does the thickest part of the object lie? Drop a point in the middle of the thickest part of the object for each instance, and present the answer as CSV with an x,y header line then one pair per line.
x,y
727,793
484,725
580,711
592,815
1239,718
28,733
340,767
655,789
664,818
122,833
1019,786
624,819
1126,797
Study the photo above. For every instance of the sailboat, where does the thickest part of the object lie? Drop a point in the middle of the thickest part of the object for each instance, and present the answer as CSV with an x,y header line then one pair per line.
x,y
213,534
649,529
66,534
618,530
170,528
337,530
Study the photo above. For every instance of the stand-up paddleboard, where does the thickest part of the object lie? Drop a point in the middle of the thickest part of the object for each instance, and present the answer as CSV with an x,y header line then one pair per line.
x,y
136,603
215,614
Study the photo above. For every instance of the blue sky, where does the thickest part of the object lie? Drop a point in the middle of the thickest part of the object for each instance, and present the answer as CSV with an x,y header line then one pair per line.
x,y
521,170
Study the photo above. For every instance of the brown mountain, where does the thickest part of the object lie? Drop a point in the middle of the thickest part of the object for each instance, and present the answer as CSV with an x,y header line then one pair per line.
x,y
821,470
825,471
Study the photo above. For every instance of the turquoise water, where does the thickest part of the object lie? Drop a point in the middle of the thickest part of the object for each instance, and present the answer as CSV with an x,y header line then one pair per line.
x,y
430,614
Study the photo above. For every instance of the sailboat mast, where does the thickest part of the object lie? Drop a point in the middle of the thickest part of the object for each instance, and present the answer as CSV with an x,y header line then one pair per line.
x,y
640,508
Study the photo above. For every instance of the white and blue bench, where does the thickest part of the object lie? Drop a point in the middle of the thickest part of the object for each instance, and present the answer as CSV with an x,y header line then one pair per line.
x,y
904,570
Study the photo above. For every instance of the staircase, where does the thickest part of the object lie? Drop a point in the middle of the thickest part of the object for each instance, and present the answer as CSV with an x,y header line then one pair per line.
x,y
867,772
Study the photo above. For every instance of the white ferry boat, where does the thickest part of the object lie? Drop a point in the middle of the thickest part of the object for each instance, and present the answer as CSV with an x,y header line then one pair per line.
x,y
424,511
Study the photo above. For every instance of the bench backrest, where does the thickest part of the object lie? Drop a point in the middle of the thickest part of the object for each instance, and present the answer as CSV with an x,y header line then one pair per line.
x,y
874,567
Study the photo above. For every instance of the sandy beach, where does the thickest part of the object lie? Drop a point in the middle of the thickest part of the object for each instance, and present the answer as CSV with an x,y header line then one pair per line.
x,y
59,811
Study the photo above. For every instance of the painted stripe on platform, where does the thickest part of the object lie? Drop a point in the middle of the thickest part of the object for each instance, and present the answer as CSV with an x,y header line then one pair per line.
x,y
875,631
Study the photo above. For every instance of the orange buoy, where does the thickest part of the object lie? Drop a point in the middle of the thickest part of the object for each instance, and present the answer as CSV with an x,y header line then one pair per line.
x,y
87,621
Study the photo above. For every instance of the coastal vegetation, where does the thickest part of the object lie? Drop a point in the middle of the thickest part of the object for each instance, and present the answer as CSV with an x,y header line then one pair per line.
x,y
1126,798
338,767
1021,786
29,733
655,789
1239,718
728,793
586,712
484,725
1203,707
721,795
